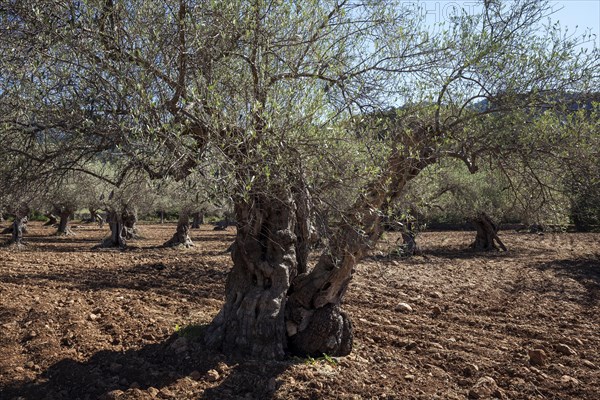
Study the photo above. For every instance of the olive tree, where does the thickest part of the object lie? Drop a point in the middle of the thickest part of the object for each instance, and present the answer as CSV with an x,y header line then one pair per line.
x,y
193,196
280,91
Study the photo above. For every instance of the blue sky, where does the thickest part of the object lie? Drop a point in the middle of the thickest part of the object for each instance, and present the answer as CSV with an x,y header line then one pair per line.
x,y
577,15
581,13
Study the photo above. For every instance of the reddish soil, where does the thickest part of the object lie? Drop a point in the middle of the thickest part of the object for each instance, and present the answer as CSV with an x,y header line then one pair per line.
x,y
77,323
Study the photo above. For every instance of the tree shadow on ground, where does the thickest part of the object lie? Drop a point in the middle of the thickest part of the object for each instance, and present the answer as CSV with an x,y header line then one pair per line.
x,y
445,252
178,367
59,244
584,271
213,238
167,278
60,239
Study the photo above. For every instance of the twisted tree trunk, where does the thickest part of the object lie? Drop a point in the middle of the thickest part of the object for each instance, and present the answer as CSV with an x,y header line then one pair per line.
x,y
95,216
270,308
197,220
116,238
487,234
251,321
19,227
315,323
63,226
181,237
410,246
129,220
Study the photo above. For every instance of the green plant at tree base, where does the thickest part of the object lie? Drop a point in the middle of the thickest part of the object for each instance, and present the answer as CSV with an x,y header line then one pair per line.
x,y
325,358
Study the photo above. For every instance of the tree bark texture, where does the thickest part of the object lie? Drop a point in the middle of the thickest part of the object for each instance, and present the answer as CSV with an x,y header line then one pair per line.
x,y
269,308
116,238
197,219
19,227
251,322
181,237
129,219
487,234
305,231
323,230
63,226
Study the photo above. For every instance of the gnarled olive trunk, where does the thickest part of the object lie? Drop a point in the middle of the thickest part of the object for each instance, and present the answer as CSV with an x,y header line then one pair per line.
x,y
129,220
315,323
19,226
64,212
269,307
63,226
487,234
251,321
116,238
181,237
411,247
95,216
197,219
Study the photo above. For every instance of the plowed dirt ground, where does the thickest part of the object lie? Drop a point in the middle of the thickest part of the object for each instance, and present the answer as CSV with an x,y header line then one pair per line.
x,y
77,323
